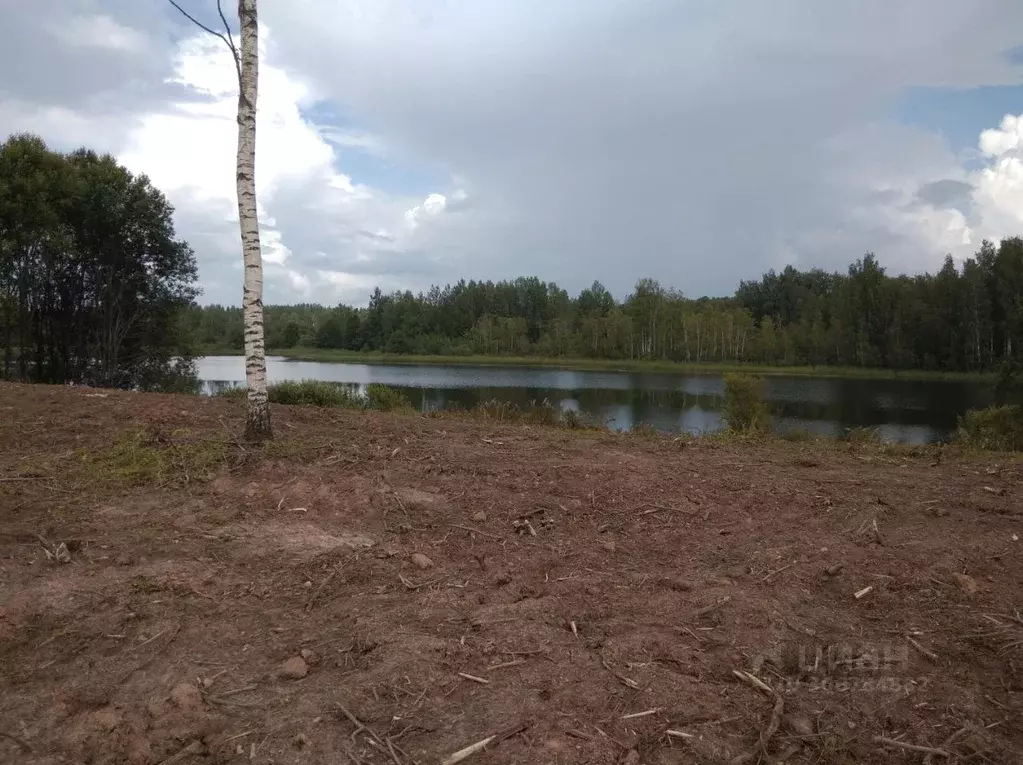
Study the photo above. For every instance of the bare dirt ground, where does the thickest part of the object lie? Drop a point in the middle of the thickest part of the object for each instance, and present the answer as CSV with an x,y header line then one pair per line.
x,y
380,588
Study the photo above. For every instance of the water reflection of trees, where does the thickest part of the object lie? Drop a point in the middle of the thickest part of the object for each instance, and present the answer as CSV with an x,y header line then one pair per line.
x,y
909,410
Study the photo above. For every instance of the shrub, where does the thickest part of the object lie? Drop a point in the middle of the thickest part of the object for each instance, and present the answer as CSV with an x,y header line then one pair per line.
x,y
745,409
178,376
998,427
314,393
386,399
542,414
574,420
237,393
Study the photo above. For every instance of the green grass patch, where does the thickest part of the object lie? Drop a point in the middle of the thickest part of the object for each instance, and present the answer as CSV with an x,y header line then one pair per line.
x,y
144,456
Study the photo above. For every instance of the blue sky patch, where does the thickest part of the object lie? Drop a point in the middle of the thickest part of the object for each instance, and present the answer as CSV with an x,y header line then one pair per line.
x,y
960,114
367,165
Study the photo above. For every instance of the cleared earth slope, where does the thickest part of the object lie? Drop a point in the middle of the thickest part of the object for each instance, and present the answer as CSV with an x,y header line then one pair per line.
x,y
376,588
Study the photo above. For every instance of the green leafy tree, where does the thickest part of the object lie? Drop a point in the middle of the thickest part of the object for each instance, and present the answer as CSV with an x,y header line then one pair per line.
x,y
93,280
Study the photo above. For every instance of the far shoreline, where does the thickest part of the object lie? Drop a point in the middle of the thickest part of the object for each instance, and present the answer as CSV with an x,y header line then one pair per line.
x,y
614,365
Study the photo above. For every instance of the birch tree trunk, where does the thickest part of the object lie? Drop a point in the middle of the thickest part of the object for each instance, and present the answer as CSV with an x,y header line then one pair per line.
x,y
246,62
257,420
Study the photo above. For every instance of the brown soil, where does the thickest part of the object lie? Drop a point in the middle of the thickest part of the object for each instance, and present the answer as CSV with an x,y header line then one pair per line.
x,y
610,590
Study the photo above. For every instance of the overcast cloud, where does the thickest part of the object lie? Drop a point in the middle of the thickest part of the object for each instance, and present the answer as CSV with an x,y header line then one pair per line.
x,y
406,142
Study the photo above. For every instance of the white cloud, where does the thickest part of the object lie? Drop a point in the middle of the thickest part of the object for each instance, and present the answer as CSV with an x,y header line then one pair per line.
x,y
191,146
699,143
431,207
188,150
98,31
1003,139
999,185
693,142
354,139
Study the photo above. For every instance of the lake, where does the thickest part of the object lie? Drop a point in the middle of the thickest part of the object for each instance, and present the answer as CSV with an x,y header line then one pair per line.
x,y
911,411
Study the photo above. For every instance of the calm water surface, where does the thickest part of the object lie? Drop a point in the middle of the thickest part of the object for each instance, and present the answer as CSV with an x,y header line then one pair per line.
x,y
914,411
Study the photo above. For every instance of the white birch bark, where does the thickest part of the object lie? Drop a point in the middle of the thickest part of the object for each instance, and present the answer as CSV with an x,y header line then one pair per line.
x,y
257,421
246,61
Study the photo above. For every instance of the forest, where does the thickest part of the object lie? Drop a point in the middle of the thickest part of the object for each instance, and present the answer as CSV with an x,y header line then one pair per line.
x,y
968,318
93,280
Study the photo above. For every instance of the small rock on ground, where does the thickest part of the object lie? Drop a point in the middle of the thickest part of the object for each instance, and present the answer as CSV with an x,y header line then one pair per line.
x,y
186,697
677,584
966,583
294,668
800,726
310,657
421,561
479,517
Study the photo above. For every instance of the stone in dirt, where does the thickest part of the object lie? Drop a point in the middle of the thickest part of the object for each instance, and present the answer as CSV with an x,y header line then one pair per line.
x,y
558,746
966,583
294,668
632,758
186,697
677,584
800,726
415,499
310,657
421,561
479,517
609,545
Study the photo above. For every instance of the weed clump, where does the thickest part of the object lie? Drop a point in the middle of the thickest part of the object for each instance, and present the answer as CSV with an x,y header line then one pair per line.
x,y
543,413
745,409
495,410
998,428
232,394
645,430
384,398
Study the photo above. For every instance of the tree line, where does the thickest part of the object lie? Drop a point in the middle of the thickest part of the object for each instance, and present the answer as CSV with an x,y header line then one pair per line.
x,y
965,319
93,280
95,287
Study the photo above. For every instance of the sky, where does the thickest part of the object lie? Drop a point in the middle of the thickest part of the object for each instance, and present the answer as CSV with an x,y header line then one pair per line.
x,y
404,143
